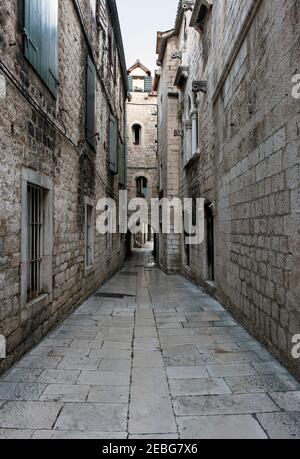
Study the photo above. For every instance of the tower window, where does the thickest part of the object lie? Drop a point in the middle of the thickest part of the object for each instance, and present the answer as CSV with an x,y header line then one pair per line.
x,y
142,187
137,134
138,84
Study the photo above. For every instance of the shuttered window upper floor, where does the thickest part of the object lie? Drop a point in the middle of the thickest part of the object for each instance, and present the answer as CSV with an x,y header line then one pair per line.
x,y
40,31
91,91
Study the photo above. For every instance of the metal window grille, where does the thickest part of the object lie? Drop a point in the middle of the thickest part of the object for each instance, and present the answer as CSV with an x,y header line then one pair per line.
x,y
36,198
89,236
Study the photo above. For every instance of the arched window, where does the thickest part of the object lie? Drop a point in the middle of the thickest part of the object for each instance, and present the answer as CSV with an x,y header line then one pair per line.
x,y
137,134
142,187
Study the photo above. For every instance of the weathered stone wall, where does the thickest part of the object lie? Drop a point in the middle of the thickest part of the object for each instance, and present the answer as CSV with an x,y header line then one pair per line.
x,y
257,163
28,139
168,153
142,159
248,164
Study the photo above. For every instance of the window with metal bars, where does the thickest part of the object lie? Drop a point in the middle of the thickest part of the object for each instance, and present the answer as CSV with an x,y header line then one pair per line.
x,y
89,236
36,198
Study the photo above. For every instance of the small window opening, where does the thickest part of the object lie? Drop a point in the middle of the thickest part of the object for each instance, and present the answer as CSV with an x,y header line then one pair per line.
x,y
36,197
136,132
142,187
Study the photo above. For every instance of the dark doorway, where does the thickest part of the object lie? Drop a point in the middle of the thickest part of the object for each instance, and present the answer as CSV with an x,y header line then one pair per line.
x,y
210,240
128,244
187,251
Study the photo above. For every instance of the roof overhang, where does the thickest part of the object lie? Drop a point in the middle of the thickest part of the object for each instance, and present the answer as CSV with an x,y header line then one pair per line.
x,y
156,80
200,10
137,65
183,6
181,76
113,11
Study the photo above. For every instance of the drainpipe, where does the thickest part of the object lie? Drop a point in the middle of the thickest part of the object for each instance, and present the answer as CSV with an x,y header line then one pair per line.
x,y
194,116
188,139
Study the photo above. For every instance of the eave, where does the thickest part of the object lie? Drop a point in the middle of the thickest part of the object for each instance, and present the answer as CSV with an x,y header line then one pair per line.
x,y
181,76
199,12
113,12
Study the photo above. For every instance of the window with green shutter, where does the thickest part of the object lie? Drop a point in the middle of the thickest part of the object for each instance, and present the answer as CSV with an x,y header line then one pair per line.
x,y
41,39
90,103
121,163
130,83
148,83
113,145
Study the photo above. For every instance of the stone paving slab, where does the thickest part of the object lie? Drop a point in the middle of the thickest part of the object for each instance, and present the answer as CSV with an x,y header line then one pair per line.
x,y
221,371
287,401
59,376
188,387
65,393
13,434
109,394
151,414
117,365
281,425
60,352
220,428
79,363
261,383
22,375
93,417
188,372
147,359
224,404
77,435
16,391
109,353
29,415
39,362
154,437
104,378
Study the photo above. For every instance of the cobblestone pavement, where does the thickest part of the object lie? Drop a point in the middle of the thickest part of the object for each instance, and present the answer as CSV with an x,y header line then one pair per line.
x,y
161,361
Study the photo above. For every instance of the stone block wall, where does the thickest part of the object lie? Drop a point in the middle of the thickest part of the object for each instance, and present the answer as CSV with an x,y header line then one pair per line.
x,y
142,159
257,158
46,140
247,163
169,152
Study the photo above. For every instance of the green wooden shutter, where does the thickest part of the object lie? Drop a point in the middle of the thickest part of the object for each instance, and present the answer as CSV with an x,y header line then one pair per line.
x,y
130,83
113,145
90,102
122,164
148,83
41,39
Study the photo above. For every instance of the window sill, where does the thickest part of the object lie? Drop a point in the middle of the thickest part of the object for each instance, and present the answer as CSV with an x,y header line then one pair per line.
x,y
193,159
38,300
33,307
211,287
89,271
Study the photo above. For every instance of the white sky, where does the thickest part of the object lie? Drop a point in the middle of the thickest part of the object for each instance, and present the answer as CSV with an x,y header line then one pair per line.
x,y
140,20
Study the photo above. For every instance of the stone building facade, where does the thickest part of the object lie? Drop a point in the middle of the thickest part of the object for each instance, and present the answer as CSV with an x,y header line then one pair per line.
x,y
168,144
142,175
62,148
230,68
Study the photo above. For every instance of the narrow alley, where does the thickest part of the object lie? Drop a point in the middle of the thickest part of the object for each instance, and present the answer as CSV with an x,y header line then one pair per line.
x,y
149,220
149,356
